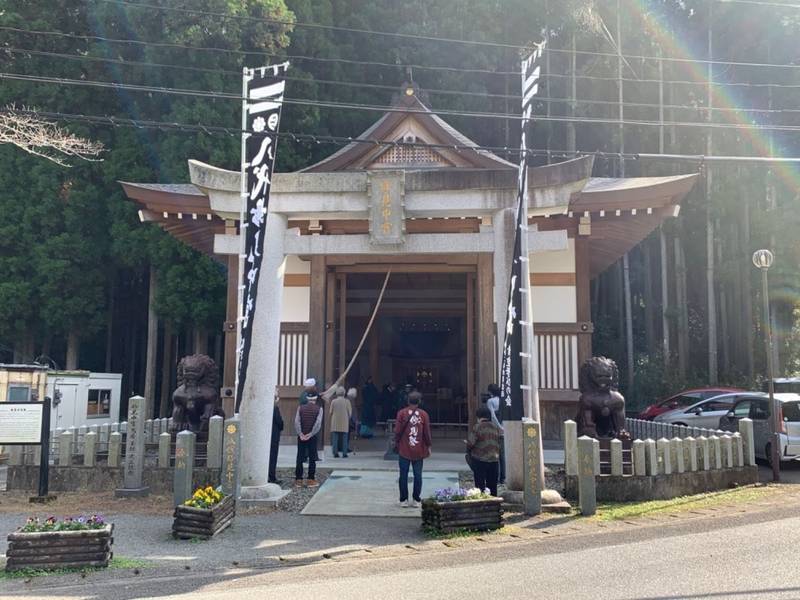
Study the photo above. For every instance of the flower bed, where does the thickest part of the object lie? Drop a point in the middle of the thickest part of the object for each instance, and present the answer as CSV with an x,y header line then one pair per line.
x,y
454,509
52,544
203,515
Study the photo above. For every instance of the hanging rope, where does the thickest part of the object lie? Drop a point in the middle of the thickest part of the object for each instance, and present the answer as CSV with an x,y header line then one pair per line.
x,y
329,392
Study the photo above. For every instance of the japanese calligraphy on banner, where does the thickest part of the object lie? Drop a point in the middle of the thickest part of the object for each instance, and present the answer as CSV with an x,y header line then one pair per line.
x,y
386,210
261,114
511,368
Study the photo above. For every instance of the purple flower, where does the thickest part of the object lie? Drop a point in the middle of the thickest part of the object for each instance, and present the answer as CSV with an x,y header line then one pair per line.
x,y
81,519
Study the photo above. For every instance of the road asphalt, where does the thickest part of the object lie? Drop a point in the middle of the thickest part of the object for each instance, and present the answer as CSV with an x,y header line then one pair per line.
x,y
729,552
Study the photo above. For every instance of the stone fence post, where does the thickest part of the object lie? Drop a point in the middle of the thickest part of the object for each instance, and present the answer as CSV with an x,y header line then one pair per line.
x,y
164,443
214,446
89,449
184,465
65,449
746,429
570,447
114,448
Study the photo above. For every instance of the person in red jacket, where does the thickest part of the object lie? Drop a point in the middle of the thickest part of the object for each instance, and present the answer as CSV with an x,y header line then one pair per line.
x,y
412,437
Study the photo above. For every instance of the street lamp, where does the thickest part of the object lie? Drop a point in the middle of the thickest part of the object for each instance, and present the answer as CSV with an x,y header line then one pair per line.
x,y
762,259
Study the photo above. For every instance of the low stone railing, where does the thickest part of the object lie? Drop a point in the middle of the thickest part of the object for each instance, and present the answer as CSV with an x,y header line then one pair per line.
x,y
642,430
657,469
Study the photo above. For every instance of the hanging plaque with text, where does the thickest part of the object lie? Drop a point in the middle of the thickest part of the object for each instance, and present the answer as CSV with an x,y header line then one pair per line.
x,y
386,207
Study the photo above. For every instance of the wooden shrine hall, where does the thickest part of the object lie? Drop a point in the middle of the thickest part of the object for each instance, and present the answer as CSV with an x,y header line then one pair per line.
x,y
442,219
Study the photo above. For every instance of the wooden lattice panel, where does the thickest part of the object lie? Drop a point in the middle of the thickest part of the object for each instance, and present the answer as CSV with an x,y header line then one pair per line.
x,y
410,155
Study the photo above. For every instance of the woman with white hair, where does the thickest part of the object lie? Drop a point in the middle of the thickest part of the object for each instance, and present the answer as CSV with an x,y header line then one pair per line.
x,y
341,409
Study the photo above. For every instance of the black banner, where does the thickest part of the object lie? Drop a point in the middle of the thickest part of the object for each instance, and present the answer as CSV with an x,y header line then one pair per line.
x,y
511,367
264,89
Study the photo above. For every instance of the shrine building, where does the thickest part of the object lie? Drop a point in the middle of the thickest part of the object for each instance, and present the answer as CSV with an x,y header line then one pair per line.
x,y
440,215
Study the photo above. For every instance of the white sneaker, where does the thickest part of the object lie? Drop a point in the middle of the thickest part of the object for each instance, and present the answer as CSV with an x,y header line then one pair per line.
x,y
404,504
414,504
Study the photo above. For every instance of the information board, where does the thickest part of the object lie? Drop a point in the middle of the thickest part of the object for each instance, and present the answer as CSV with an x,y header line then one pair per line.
x,y
21,422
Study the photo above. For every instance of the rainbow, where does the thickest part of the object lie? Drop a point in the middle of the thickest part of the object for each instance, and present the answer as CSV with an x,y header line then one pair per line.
x,y
759,140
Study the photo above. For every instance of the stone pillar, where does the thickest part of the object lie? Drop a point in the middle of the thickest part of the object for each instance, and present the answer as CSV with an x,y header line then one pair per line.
x,y
616,457
664,456
639,462
164,443
690,445
746,429
214,446
676,455
231,453
570,447
134,451
89,449
651,452
184,464
531,440
716,452
65,449
703,457
727,451
587,491
262,374
738,449
114,448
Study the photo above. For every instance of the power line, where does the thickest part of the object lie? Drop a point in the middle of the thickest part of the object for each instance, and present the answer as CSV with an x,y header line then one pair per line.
x,y
247,18
343,140
245,53
353,84
385,109
678,81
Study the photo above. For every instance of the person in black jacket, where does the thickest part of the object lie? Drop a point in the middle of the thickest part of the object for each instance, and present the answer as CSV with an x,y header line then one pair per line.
x,y
275,442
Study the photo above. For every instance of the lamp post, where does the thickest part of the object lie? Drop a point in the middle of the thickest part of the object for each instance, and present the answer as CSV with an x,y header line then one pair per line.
x,y
762,259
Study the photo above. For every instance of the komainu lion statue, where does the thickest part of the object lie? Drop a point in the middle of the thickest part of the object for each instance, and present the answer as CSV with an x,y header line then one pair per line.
x,y
601,408
197,398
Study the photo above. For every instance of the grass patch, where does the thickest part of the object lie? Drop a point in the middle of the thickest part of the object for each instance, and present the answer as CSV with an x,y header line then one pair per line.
x,y
118,562
613,511
458,533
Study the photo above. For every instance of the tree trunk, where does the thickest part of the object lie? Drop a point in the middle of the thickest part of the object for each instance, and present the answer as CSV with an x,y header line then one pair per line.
x,y
664,296
73,350
151,349
200,340
628,320
110,323
711,316
724,331
166,371
747,289
649,298
683,310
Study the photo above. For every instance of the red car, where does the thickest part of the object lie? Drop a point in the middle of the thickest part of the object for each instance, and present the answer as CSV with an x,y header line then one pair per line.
x,y
682,400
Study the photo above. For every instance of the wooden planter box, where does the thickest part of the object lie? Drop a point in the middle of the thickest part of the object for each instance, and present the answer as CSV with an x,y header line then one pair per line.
x,y
478,515
59,549
203,523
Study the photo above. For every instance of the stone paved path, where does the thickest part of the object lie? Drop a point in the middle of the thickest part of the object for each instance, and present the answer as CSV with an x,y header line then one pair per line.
x,y
371,493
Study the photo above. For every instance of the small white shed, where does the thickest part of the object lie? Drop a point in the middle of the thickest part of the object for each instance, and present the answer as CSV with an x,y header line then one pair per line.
x,y
85,398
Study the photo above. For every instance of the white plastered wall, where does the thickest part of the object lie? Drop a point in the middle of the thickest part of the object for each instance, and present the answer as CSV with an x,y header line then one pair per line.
x,y
296,299
554,303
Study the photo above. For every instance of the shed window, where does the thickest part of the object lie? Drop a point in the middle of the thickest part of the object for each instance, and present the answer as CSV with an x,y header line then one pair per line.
x,y
19,393
99,404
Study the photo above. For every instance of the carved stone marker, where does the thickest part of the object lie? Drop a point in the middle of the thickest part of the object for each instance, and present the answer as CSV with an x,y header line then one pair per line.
x,y
231,453
184,465
571,447
587,492
134,451
532,497
214,446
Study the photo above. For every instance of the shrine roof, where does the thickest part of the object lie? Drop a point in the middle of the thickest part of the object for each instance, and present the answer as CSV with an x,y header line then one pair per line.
x,y
441,145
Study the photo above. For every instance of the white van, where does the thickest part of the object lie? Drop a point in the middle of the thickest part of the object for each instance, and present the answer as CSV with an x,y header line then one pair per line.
x,y
757,409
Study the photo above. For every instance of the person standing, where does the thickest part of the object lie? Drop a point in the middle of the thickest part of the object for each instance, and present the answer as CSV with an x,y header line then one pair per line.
x,y
483,445
275,441
388,401
370,397
412,438
307,423
493,404
341,409
309,387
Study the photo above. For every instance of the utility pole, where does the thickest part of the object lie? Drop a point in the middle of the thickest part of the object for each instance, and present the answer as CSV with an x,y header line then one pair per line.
x,y
712,302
